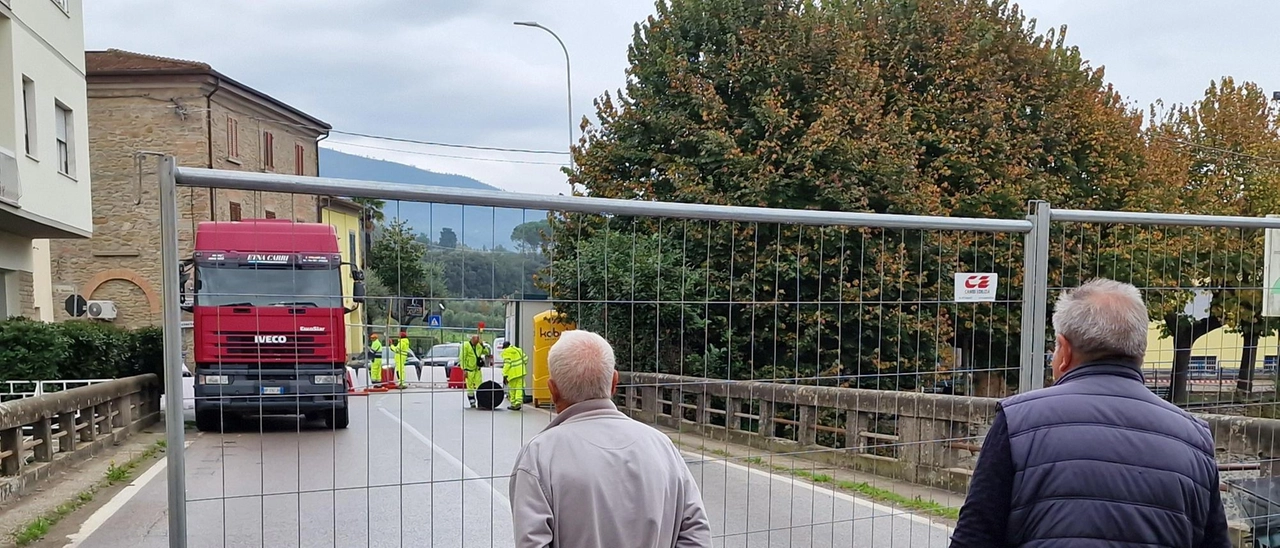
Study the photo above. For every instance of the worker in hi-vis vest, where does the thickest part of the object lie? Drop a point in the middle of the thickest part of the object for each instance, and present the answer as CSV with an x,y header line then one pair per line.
x,y
402,357
515,364
471,359
375,360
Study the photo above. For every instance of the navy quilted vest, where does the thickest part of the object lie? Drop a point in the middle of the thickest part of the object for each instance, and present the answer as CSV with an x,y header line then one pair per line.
x,y
1101,461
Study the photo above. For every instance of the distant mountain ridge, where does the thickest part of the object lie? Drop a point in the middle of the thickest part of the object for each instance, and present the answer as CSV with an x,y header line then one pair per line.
x,y
351,166
476,227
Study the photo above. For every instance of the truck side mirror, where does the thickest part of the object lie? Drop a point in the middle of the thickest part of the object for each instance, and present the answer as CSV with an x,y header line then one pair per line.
x,y
357,274
186,300
357,291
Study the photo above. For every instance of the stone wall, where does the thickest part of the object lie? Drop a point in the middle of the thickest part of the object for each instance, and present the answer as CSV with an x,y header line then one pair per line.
x,y
930,439
27,294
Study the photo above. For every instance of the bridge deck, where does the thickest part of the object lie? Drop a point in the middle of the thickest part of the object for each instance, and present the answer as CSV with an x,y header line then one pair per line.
x,y
414,464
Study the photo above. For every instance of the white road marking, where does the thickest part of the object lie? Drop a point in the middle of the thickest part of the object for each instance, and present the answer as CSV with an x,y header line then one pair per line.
x,y
100,517
466,470
827,491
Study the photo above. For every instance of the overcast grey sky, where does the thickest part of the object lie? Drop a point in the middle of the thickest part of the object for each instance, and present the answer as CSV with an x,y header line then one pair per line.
x,y
458,71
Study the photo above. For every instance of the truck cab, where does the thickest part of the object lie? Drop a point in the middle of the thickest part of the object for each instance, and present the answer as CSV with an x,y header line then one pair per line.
x,y
268,313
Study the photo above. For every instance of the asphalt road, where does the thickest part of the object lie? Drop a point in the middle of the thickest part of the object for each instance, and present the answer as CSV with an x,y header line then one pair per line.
x,y
418,469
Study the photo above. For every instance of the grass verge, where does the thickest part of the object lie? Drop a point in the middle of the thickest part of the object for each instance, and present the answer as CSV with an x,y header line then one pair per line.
x,y
915,504
39,527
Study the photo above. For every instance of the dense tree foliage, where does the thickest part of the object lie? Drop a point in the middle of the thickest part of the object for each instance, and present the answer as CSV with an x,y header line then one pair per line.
x,y
448,238
396,260
936,107
1215,155
530,236
481,274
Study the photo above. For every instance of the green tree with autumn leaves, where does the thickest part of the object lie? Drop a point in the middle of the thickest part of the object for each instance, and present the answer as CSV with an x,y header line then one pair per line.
x,y
1218,155
933,107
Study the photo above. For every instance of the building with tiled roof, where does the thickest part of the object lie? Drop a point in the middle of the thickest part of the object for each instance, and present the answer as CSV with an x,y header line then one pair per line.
x,y
146,103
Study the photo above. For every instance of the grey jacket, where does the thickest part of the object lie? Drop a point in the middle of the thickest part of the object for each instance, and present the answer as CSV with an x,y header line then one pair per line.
x,y
595,478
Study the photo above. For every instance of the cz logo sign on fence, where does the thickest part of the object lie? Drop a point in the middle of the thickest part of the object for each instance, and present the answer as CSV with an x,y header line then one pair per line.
x,y
976,286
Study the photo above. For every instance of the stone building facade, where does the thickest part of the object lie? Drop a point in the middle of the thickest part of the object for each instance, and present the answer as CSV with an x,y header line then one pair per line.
x,y
141,106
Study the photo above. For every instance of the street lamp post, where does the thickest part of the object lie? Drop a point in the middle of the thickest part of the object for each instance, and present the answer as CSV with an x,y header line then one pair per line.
x,y
568,75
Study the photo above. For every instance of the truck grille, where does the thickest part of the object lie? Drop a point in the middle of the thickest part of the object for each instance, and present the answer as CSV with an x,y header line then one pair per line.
x,y
263,345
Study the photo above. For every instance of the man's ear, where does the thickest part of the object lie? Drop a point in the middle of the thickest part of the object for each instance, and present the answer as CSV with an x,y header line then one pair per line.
x,y
555,392
613,389
1063,354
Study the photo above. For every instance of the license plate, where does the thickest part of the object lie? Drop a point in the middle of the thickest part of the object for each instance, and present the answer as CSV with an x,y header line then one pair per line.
x,y
272,390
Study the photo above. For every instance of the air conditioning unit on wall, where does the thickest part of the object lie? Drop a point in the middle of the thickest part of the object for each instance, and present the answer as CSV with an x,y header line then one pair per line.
x,y
102,310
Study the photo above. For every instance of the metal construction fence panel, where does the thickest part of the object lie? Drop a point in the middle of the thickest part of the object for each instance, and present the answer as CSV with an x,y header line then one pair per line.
x,y
1212,346
707,295
828,375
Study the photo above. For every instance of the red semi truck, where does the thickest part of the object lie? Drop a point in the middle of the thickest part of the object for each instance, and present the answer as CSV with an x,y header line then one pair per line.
x,y
269,321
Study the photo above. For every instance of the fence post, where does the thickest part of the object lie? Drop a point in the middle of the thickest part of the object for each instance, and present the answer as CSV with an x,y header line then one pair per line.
x,y
43,432
704,407
102,420
121,409
174,436
67,426
808,431
1035,295
88,428
11,448
853,430
766,418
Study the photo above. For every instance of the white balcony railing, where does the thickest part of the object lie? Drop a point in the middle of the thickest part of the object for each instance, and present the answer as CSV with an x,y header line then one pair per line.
x,y
10,184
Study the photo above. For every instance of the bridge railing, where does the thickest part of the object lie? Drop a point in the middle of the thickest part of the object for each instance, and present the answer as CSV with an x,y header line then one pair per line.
x,y
18,389
929,439
41,429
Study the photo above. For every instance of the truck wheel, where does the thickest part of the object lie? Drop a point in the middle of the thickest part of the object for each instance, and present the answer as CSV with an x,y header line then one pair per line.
x,y
338,419
208,421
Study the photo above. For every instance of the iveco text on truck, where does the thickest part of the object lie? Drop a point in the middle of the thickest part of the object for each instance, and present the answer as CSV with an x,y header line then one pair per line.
x,y
269,321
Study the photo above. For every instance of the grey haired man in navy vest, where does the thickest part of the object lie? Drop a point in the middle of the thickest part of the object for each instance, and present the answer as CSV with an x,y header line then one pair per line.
x,y
1097,459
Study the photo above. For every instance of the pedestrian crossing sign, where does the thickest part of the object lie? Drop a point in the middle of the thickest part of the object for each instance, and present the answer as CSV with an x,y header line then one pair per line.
x,y
434,321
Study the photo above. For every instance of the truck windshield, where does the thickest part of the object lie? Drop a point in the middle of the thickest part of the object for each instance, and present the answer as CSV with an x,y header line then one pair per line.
x,y
249,286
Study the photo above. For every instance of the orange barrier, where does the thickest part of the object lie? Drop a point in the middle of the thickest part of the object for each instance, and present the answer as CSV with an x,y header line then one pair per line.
x,y
457,378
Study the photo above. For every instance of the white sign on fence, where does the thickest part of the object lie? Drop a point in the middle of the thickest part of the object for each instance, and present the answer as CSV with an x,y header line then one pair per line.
x,y
974,287
1271,273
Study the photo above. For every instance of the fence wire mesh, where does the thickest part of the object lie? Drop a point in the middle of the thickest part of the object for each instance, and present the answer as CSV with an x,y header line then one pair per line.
x,y
693,307
827,381
1211,346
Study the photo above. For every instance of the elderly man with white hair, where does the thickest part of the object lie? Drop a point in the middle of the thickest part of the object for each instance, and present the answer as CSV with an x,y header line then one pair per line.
x,y
1097,459
595,478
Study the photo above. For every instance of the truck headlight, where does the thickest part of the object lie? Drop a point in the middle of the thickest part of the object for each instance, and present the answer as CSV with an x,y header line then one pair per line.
x,y
327,379
215,379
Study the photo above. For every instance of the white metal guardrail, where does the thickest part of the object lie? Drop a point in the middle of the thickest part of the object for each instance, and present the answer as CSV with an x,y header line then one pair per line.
x,y
19,389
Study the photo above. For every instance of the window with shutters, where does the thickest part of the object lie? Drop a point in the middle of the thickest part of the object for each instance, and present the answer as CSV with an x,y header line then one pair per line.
x,y
235,211
299,159
233,137
268,150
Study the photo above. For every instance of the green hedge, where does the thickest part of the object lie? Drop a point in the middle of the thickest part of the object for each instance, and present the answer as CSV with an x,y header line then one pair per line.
x,y
32,350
